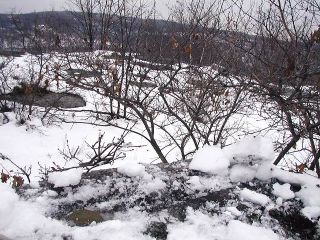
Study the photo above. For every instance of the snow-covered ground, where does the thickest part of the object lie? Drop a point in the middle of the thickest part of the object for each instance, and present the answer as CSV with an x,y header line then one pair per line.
x,y
40,145
31,215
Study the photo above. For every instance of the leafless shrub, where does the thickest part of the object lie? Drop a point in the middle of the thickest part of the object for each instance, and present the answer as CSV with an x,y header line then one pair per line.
x,y
101,153
24,171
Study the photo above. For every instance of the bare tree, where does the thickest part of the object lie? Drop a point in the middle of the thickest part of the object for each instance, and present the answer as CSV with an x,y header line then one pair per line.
x,y
85,13
197,100
101,153
281,59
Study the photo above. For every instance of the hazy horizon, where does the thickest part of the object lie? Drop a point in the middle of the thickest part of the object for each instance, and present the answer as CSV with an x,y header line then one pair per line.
x,y
29,6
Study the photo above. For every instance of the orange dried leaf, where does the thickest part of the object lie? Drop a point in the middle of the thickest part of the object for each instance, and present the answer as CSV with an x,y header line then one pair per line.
x,y
300,168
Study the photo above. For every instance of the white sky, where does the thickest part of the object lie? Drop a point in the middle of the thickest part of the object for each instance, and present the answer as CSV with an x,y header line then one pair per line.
x,y
26,6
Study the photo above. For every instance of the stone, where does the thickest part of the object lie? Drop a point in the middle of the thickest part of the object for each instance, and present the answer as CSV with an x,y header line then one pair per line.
x,y
157,230
84,217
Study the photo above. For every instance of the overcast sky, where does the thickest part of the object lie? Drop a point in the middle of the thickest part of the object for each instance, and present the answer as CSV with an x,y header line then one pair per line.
x,y
26,6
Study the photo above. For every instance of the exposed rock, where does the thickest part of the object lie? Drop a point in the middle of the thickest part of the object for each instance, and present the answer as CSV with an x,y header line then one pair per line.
x,y
49,99
157,230
293,222
168,191
84,217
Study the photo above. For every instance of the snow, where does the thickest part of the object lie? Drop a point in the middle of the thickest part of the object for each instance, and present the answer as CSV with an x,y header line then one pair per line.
x,y
153,185
197,226
267,171
132,169
202,183
8,199
85,192
234,211
241,173
250,157
25,220
70,177
210,159
279,201
250,147
148,184
195,183
46,141
203,227
311,212
254,197
238,230
310,195
283,191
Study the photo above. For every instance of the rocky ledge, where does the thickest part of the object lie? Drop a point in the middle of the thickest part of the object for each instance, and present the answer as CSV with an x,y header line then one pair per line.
x,y
168,193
